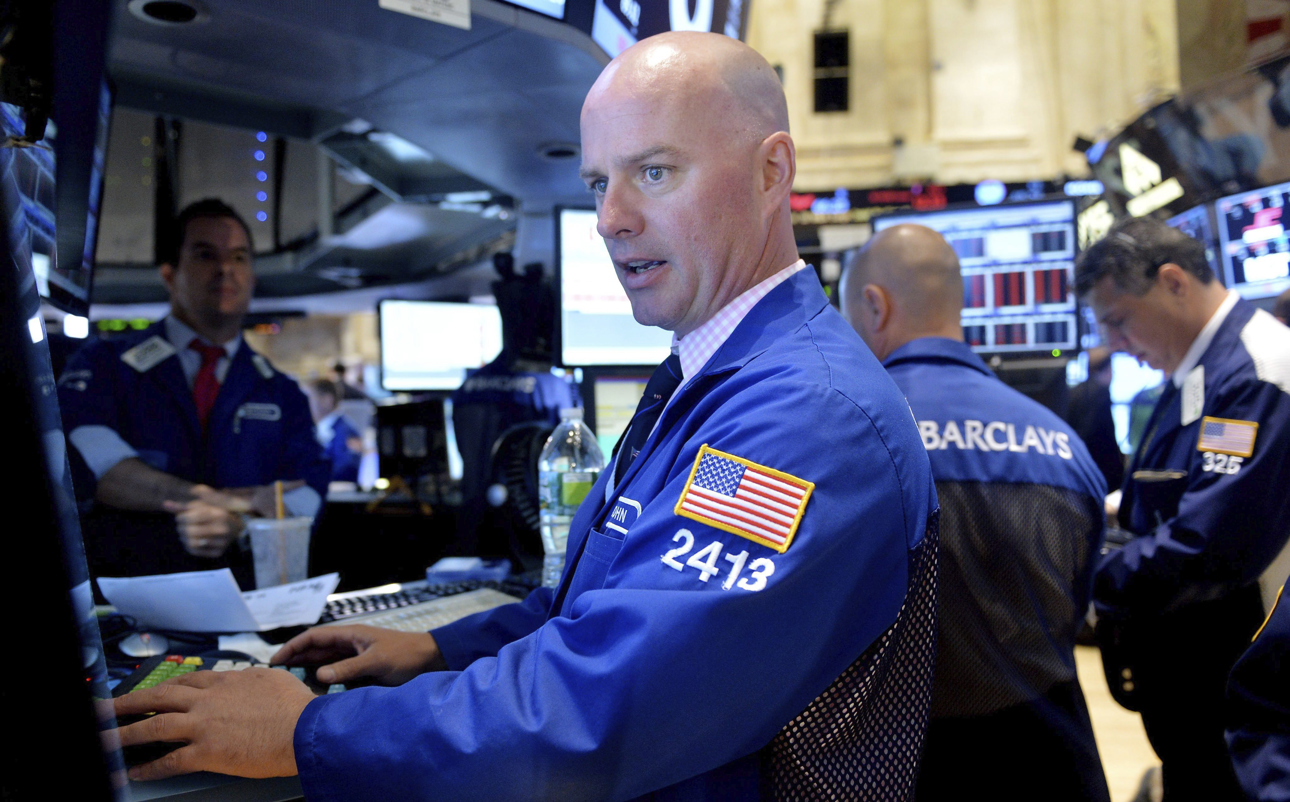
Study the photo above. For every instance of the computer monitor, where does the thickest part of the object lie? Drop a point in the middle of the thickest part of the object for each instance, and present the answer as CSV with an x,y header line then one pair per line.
x,y
616,400
412,439
1253,245
1197,224
1017,262
428,345
596,323
551,8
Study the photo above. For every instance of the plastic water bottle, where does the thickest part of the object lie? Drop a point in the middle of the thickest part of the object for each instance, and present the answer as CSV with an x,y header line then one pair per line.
x,y
569,464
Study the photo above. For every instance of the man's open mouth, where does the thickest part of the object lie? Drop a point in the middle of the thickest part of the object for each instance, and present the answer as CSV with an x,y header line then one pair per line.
x,y
643,266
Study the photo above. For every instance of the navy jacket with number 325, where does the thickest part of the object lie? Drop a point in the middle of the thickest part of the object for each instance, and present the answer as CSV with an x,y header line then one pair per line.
x,y
645,675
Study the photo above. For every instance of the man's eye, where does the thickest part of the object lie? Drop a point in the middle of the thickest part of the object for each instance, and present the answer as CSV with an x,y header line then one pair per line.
x,y
655,173
598,186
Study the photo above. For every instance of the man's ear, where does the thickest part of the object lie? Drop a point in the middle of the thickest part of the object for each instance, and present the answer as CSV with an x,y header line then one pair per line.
x,y
778,167
1174,279
167,271
877,307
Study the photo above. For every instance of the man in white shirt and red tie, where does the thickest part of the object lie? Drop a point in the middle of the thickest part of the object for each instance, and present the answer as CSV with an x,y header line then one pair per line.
x,y
179,431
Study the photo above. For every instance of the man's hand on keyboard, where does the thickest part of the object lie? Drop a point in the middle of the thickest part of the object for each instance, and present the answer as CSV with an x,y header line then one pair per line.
x,y
232,722
356,652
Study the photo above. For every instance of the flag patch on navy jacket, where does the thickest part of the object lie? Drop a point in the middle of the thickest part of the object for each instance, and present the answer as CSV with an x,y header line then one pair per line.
x,y
1223,436
744,498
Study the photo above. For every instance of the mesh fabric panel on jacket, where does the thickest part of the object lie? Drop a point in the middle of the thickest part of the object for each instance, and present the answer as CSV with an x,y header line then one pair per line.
x,y
862,738
1014,574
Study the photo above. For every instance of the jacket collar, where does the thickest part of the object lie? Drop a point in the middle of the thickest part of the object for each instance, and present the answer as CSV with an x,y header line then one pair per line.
x,y
1226,337
784,310
941,348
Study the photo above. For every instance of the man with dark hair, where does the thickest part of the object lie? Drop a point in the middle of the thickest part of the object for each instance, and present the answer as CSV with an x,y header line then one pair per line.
x,y
179,431
1021,525
1205,494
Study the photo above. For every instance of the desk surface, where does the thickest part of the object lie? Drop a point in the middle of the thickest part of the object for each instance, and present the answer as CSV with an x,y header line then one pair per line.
x,y
206,787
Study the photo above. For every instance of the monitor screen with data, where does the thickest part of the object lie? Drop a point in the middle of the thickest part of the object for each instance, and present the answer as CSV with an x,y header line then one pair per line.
x,y
596,323
427,345
1253,244
1197,224
1017,262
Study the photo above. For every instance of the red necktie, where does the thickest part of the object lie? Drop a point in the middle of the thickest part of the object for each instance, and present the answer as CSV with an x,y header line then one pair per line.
x,y
206,385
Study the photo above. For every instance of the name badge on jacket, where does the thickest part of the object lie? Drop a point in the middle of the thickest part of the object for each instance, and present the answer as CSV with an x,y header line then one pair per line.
x,y
148,354
623,515
255,411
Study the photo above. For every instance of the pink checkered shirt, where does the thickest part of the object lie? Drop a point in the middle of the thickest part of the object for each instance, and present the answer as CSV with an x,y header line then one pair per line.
x,y
697,347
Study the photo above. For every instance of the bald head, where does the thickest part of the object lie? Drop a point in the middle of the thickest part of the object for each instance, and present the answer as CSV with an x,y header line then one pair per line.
x,y
902,285
722,79
685,147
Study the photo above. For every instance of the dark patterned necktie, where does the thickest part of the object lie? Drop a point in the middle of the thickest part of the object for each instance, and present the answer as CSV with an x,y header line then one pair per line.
x,y
666,378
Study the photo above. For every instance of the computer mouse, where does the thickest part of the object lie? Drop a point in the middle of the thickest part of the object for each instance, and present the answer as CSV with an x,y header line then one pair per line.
x,y
143,644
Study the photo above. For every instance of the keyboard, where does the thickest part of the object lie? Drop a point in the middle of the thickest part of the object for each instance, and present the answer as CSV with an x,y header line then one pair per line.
x,y
426,615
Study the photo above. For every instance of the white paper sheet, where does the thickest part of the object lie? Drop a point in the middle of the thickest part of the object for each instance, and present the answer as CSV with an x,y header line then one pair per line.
x,y
211,601
289,605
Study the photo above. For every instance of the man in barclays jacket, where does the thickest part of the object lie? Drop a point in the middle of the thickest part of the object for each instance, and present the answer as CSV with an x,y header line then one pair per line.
x,y
178,431
1204,495
748,546
1021,526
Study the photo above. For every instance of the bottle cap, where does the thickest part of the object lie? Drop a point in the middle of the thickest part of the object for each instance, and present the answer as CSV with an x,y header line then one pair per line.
x,y
571,412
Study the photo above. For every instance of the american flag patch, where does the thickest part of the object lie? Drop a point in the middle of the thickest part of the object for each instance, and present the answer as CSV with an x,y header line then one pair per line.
x,y
1223,436
744,498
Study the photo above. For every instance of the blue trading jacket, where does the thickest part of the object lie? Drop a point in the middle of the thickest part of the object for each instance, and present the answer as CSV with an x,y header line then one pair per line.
x,y
1021,525
344,461
1221,523
672,650
259,431
1258,700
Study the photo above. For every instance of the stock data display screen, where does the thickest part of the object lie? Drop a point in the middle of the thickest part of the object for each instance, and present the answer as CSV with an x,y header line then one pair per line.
x,y
1253,244
1196,224
596,323
1018,266
428,345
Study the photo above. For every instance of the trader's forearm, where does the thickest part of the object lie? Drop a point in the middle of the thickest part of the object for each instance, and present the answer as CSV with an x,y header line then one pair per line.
x,y
132,485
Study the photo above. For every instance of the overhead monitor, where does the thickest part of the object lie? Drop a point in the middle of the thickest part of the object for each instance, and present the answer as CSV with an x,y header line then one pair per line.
x,y
1197,224
551,8
618,24
1017,262
427,345
596,323
1253,243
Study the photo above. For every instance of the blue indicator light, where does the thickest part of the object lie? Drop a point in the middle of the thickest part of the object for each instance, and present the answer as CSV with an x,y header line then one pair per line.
x,y
259,155
261,176
261,216
263,137
262,196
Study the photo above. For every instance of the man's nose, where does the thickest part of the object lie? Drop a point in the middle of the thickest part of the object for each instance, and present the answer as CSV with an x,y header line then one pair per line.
x,y
619,216
1114,339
